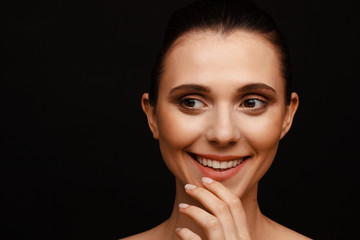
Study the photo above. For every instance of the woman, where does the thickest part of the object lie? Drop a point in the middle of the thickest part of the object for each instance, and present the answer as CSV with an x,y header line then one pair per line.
x,y
219,103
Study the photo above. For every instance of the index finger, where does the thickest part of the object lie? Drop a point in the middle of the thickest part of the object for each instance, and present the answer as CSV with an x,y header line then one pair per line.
x,y
232,201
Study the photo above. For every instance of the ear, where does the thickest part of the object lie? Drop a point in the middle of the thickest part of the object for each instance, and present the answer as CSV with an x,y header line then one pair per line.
x,y
289,114
150,114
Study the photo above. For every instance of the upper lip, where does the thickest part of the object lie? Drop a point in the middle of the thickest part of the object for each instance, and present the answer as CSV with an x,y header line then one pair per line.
x,y
218,157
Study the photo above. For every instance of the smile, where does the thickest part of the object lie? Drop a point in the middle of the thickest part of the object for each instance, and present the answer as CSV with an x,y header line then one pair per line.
x,y
218,167
218,163
223,165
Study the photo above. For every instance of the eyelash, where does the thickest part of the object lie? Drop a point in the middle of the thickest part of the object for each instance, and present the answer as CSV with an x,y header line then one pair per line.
x,y
182,104
254,109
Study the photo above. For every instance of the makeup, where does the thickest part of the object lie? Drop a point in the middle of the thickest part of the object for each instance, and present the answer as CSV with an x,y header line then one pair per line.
x,y
218,167
221,113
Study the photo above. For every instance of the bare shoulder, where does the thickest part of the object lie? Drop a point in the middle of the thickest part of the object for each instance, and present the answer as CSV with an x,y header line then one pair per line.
x,y
140,236
282,232
151,234
148,235
287,233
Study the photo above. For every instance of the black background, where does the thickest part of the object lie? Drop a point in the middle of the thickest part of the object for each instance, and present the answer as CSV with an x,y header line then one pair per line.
x,y
78,160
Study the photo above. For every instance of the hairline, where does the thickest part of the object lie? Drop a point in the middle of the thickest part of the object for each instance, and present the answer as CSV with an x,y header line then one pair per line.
x,y
222,32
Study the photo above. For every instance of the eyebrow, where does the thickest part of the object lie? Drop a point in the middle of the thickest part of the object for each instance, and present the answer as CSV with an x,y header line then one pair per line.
x,y
256,86
205,89
190,87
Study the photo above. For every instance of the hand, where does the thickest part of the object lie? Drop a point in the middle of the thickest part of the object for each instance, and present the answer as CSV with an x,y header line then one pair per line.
x,y
226,220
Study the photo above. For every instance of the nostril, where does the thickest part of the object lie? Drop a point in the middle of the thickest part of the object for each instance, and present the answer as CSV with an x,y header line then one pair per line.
x,y
223,137
223,129
223,143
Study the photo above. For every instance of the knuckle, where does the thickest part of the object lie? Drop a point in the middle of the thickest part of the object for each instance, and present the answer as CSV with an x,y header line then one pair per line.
x,y
212,223
235,202
220,207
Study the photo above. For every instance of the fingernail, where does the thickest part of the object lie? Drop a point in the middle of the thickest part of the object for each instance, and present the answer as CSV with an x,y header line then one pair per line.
x,y
189,187
207,180
177,229
183,205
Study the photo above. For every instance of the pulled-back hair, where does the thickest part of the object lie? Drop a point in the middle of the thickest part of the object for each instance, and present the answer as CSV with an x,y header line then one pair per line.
x,y
221,16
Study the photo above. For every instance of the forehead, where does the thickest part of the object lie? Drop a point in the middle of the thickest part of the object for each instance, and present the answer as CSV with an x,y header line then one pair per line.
x,y
239,57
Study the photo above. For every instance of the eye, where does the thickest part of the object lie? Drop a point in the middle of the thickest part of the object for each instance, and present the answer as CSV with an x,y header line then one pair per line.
x,y
192,103
253,103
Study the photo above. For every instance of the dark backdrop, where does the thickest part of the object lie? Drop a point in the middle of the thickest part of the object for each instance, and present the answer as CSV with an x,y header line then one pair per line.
x,y
78,160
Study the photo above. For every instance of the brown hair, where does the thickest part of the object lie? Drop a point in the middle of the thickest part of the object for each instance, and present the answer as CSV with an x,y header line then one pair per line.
x,y
222,16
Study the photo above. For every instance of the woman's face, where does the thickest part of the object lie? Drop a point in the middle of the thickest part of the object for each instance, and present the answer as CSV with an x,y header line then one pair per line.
x,y
221,109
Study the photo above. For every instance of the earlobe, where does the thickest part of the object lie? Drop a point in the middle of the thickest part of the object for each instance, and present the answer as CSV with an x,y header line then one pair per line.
x,y
289,114
150,114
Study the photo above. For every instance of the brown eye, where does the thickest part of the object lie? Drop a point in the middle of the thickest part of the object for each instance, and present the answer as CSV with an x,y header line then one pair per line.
x,y
252,103
192,103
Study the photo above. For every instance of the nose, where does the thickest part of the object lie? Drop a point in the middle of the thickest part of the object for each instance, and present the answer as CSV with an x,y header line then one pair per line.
x,y
223,129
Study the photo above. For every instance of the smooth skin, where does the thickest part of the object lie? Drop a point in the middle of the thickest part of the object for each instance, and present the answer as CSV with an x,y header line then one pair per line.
x,y
228,220
222,95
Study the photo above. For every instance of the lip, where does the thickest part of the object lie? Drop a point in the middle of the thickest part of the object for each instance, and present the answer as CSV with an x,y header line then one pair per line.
x,y
218,175
218,157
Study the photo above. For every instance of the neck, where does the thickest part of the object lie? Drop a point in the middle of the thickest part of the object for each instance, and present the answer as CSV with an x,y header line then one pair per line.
x,y
255,219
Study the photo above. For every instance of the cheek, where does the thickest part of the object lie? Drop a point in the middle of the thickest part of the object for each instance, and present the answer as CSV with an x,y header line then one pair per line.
x,y
178,130
262,135
263,132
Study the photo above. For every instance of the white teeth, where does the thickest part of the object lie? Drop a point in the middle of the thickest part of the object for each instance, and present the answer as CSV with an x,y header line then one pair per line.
x,y
219,165
215,164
